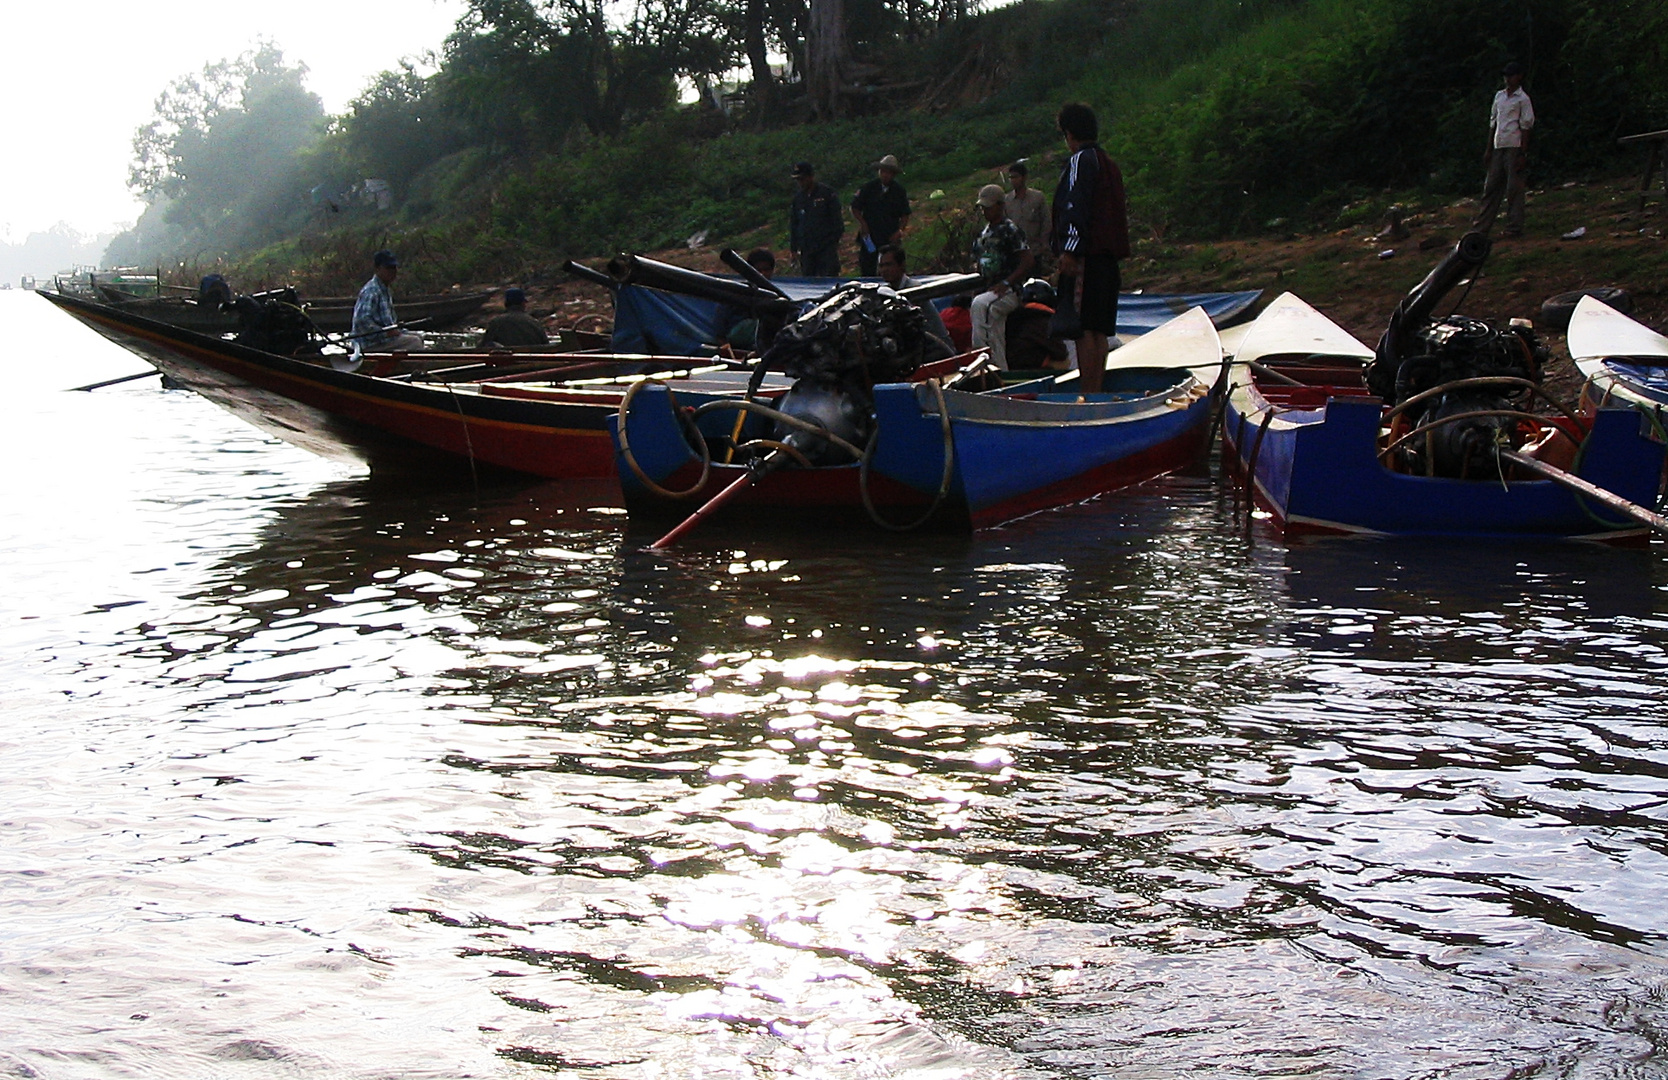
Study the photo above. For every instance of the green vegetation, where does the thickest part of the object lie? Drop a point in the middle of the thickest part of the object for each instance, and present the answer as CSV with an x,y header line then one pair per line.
x,y
547,133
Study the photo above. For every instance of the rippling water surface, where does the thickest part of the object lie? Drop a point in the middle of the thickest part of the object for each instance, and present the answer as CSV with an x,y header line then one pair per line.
x,y
303,775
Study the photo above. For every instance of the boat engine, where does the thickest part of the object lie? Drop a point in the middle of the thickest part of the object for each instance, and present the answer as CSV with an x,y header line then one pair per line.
x,y
1419,353
859,335
274,322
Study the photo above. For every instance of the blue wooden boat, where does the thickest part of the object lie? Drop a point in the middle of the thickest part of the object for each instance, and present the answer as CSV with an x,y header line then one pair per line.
x,y
1306,436
948,458
1623,360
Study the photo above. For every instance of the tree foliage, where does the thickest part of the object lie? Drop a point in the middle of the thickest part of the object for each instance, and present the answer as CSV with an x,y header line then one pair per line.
x,y
219,163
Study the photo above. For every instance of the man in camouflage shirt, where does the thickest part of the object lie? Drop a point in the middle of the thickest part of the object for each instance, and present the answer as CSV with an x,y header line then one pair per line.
x,y
1005,261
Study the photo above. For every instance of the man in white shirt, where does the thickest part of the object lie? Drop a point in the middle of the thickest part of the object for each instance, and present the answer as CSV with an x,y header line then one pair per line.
x,y
1510,121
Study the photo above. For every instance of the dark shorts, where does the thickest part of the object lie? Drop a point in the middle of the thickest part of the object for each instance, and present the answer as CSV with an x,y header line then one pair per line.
x,y
824,263
1099,306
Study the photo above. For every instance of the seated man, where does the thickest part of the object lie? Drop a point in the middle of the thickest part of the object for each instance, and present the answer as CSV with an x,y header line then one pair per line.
x,y
890,261
1004,261
737,326
514,327
375,327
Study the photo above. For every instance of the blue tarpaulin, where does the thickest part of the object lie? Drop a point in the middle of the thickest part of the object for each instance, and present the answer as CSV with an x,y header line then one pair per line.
x,y
669,324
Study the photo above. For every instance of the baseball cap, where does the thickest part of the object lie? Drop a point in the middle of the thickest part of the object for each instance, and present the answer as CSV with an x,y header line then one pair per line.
x,y
990,195
385,258
804,169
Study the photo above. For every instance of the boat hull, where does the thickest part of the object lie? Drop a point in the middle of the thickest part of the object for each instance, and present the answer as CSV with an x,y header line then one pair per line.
x,y
1317,470
1008,459
385,424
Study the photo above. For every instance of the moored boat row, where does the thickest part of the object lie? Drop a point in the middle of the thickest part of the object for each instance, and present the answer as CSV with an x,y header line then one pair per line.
x,y
1306,424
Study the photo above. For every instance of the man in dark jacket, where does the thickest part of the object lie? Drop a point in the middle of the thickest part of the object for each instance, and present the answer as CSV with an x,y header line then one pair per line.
x,y
1091,233
815,225
514,327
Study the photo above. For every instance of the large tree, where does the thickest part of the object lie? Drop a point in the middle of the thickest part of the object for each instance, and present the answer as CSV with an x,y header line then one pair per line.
x,y
220,158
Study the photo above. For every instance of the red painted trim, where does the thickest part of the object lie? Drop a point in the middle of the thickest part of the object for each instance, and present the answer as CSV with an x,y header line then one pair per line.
x,y
1154,461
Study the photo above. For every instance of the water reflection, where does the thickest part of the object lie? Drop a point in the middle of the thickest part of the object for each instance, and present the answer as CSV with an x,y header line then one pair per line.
x,y
1117,791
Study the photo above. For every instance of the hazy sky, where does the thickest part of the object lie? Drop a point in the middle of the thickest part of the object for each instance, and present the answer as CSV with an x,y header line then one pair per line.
x,y
77,78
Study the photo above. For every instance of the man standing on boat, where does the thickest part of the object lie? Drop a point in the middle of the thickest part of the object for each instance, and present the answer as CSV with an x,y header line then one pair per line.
x,y
1005,261
1091,233
815,225
375,327
881,210
1507,157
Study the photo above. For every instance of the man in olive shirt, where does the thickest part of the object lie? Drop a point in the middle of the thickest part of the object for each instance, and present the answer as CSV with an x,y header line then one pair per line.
x,y
1027,207
881,210
515,326
815,225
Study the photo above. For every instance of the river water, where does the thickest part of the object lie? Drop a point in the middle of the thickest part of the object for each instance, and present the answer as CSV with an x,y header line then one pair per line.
x,y
305,775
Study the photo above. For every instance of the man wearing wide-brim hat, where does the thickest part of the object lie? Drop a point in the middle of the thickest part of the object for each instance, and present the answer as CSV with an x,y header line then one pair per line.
x,y
881,209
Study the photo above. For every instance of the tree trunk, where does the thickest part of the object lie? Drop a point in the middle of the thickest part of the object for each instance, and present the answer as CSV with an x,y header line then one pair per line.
x,y
825,52
763,97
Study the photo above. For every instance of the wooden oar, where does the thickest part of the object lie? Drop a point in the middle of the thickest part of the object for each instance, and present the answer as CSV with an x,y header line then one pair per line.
x,y
113,382
737,486
1589,490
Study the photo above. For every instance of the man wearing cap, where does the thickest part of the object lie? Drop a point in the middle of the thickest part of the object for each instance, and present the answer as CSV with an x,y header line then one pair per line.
x,y
1507,158
375,327
815,225
881,210
1004,261
514,327
1027,207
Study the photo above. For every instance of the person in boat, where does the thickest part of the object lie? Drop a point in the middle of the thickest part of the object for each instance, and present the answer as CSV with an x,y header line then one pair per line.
x,y
1029,344
1004,261
515,327
1027,207
375,326
1090,235
737,326
881,210
890,260
957,318
815,224
1510,120
213,291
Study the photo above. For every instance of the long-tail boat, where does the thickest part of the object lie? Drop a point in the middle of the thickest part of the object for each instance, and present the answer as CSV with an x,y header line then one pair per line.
x,y
540,414
1320,449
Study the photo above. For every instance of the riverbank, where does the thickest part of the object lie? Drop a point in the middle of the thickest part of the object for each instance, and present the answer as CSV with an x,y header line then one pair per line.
x,y
1353,273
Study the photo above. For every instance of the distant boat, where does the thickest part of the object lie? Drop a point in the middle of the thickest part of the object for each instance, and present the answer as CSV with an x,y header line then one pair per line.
x,y
332,314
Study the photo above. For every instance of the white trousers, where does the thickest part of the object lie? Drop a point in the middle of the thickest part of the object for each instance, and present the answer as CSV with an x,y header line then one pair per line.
x,y
990,324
